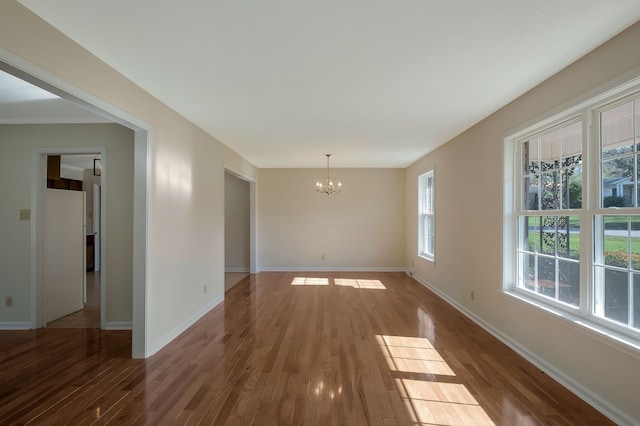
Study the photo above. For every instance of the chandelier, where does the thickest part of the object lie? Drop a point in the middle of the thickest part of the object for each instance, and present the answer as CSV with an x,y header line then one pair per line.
x,y
328,187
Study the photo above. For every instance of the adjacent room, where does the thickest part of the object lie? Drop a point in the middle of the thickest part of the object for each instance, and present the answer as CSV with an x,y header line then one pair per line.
x,y
285,212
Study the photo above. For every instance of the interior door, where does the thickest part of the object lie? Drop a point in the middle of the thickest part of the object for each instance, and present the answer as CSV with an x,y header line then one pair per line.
x,y
63,254
97,218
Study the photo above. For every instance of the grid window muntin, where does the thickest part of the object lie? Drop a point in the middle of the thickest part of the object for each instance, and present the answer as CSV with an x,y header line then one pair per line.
x,y
426,226
548,236
595,304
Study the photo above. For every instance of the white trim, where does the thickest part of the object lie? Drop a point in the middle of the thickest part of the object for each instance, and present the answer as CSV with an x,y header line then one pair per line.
x,y
578,389
10,325
115,325
331,269
237,270
162,342
61,120
28,71
423,212
609,337
585,109
587,100
253,214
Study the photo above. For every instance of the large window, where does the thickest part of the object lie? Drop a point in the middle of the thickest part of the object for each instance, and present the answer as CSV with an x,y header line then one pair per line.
x,y
572,224
426,226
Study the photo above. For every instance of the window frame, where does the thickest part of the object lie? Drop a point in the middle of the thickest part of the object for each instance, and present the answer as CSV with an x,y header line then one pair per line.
x,y
583,317
426,211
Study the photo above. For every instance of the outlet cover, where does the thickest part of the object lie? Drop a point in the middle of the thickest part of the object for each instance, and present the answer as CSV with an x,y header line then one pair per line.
x,y
25,214
8,301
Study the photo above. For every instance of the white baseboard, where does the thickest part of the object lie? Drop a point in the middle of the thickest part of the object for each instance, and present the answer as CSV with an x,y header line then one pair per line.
x,y
330,269
155,347
115,325
584,393
15,325
237,270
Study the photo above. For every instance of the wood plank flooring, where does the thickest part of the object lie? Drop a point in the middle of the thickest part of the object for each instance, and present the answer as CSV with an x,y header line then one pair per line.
x,y
233,278
89,317
289,348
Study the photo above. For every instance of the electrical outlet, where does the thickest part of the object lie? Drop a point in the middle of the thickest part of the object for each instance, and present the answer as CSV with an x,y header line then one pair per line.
x,y
205,289
473,295
25,214
412,264
322,256
8,301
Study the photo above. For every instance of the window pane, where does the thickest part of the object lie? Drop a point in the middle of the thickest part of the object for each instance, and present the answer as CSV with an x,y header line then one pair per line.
x,y
530,157
550,151
568,236
616,241
572,188
617,182
635,242
428,207
548,235
527,271
532,233
617,130
616,296
530,193
637,108
572,142
550,191
637,178
636,301
547,276
569,281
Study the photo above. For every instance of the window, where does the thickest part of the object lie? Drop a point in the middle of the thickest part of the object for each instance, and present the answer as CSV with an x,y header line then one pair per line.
x,y
548,230
426,226
572,222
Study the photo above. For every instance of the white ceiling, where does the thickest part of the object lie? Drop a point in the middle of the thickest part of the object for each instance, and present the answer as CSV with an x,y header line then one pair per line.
x,y
23,103
377,83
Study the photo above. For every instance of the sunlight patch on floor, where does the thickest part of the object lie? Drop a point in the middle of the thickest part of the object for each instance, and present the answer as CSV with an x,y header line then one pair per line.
x,y
409,354
429,401
360,283
340,282
310,281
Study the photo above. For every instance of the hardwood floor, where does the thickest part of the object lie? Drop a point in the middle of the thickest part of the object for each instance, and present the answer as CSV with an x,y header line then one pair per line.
x,y
233,278
89,317
289,348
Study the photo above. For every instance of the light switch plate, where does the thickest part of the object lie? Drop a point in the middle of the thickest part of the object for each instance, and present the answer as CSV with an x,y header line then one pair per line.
x,y
25,214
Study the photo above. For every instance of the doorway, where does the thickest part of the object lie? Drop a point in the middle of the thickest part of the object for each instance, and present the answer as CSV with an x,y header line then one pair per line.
x,y
70,175
50,82
80,172
239,228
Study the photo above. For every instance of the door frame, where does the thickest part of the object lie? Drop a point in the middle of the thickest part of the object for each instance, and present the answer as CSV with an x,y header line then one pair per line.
x,y
253,241
97,219
28,71
38,185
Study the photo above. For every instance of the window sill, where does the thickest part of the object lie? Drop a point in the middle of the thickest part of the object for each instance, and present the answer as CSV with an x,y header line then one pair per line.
x,y
431,259
614,339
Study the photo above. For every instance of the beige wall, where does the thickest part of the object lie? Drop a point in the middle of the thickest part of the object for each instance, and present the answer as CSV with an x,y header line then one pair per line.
x,y
236,224
184,267
469,220
16,144
360,228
